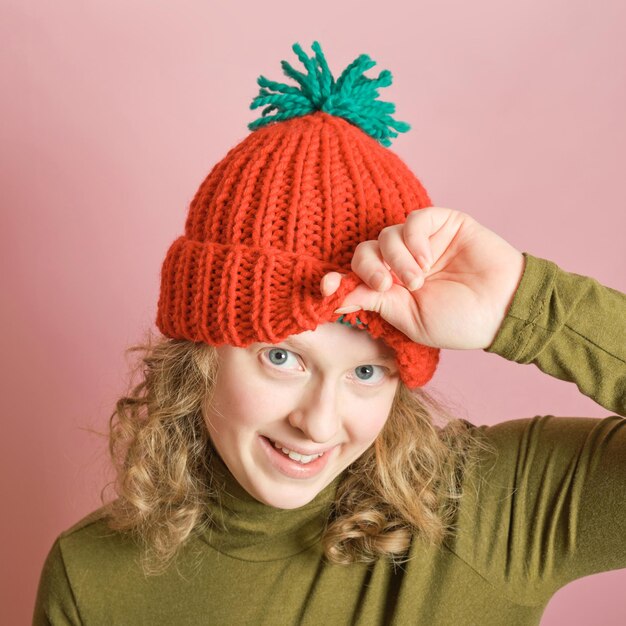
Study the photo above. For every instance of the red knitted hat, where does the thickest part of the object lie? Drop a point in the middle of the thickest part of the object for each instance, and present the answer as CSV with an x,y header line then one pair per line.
x,y
285,206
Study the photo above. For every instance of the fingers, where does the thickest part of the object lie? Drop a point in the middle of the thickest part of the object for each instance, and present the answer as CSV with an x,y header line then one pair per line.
x,y
403,253
377,261
416,231
369,265
330,283
401,258
428,232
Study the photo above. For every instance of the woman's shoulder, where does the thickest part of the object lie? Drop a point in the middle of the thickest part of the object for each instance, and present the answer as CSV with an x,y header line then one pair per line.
x,y
527,464
91,538
83,561
543,443
90,522
542,486
546,432
87,560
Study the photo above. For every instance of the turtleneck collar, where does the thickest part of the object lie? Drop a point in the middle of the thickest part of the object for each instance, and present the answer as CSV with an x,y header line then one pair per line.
x,y
247,529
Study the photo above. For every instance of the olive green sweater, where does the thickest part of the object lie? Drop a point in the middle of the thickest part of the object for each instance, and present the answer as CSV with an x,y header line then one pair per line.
x,y
548,507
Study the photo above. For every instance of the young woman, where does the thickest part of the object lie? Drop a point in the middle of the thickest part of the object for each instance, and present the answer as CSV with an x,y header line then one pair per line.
x,y
280,463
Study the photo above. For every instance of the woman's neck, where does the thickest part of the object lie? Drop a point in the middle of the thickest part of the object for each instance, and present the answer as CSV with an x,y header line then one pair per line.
x,y
247,529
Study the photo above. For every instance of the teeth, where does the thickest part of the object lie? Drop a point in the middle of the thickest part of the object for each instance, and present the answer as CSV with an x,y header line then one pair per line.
x,y
296,456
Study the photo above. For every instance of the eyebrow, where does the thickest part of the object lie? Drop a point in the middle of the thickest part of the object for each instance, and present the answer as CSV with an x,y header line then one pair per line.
x,y
298,344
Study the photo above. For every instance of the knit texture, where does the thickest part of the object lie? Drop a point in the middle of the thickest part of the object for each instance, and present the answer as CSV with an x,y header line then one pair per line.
x,y
285,206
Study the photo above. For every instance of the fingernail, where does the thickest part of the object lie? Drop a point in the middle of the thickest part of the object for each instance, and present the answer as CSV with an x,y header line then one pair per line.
x,y
348,309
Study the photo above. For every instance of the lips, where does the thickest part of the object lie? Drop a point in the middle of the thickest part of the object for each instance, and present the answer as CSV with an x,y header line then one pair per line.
x,y
291,467
297,449
295,456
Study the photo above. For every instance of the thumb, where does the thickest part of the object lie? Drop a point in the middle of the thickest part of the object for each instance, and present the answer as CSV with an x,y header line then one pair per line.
x,y
330,283
364,298
396,305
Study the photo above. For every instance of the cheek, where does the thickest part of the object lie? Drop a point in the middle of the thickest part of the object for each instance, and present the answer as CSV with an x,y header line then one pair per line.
x,y
365,424
248,405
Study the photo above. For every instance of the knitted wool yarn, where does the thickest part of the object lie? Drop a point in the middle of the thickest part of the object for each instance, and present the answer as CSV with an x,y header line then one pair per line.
x,y
285,206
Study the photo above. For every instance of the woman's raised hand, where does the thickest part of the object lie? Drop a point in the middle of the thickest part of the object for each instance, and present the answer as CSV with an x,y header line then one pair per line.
x,y
441,278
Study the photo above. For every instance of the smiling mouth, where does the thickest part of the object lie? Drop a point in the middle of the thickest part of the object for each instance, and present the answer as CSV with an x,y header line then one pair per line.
x,y
295,464
296,456
299,455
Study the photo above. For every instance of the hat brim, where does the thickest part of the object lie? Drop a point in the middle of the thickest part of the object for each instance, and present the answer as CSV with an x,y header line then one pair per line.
x,y
238,295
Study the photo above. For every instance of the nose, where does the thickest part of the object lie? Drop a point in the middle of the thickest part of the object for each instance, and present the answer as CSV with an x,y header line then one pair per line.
x,y
316,414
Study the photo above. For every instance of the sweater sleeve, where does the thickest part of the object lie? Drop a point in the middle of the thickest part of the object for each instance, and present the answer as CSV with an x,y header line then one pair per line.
x,y
571,327
55,604
547,504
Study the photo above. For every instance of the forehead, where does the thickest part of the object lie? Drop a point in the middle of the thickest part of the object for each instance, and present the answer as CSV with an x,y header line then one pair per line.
x,y
340,337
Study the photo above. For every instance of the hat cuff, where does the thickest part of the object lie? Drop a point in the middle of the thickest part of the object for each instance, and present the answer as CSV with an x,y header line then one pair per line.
x,y
236,294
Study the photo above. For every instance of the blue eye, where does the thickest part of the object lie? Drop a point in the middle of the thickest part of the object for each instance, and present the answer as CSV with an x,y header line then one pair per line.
x,y
281,358
278,356
368,372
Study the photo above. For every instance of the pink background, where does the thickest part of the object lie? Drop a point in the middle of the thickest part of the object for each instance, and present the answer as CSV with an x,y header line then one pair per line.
x,y
113,112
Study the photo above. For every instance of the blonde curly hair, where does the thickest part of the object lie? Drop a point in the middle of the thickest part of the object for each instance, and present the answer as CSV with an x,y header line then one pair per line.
x,y
407,482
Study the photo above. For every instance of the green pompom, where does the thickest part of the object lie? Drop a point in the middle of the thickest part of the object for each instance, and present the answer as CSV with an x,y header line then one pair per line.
x,y
352,96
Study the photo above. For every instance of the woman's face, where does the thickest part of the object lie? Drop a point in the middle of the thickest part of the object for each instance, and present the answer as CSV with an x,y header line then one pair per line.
x,y
326,391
